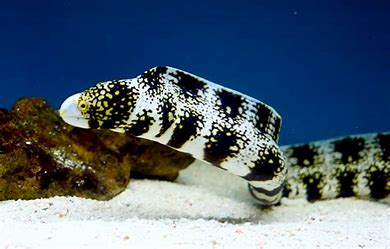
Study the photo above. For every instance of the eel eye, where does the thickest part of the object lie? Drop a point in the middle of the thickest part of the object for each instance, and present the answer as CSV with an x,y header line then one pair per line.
x,y
83,106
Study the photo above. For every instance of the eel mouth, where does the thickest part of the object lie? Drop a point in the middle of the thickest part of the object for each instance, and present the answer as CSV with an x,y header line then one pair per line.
x,y
70,113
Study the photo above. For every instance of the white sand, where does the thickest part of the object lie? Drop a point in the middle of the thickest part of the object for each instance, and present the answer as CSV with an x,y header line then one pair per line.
x,y
206,208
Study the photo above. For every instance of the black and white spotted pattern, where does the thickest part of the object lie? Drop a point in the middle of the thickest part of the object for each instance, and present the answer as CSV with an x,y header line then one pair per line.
x,y
348,166
212,123
234,132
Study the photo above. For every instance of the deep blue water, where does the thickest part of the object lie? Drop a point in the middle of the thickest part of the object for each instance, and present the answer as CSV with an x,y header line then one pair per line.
x,y
324,65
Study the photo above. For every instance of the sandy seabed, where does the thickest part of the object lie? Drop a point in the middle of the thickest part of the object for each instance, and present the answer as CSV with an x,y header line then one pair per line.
x,y
204,208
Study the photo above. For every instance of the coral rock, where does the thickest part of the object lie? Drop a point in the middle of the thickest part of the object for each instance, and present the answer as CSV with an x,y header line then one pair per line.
x,y
41,156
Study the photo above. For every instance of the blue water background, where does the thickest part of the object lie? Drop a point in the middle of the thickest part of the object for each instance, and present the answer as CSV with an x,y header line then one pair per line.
x,y
323,65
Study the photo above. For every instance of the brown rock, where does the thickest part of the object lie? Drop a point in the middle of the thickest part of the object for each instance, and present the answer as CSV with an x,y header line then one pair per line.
x,y
41,156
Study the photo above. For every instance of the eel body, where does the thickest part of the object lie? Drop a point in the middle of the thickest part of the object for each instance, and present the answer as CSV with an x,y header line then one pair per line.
x,y
357,165
222,127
